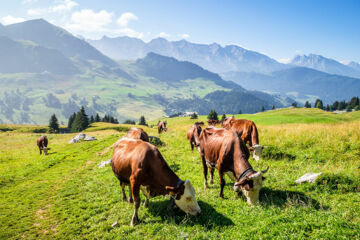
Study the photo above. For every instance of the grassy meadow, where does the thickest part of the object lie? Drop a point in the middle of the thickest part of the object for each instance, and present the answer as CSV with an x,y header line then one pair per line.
x,y
66,196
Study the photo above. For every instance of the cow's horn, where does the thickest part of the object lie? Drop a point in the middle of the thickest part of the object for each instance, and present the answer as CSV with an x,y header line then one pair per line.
x,y
264,171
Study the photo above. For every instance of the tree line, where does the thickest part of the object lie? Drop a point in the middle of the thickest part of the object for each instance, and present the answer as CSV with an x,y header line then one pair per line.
x,y
353,103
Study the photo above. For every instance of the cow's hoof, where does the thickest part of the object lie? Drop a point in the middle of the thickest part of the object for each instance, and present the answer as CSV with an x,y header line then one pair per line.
x,y
134,222
146,203
221,195
205,186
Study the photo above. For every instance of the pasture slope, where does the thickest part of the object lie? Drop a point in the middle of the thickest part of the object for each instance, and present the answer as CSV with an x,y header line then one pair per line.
x,y
66,196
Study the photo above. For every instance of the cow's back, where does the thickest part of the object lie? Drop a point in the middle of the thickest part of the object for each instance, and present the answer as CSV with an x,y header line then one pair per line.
x,y
42,141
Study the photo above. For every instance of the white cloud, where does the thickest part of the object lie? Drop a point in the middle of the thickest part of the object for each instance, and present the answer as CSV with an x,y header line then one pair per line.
x,y
130,32
284,60
63,6
87,20
125,18
66,5
184,36
163,35
10,20
29,1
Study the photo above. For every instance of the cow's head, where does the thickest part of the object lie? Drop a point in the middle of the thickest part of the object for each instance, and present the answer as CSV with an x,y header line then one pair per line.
x,y
257,151
197,133
250,186
45,149
227,122
185,198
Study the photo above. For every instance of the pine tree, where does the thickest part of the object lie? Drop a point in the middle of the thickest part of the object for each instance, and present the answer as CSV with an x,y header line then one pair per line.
x,y
294,104
92,119
348,108
328,108
335,105
111,119
97,118
129,122
223,117
307,104
81,121
194,116
142,121
263,109
213,115
53,124
319,104
240,112
71,120
273,107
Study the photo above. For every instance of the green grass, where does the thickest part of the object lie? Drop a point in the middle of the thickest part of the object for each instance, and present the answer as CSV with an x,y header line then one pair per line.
x,y
66,196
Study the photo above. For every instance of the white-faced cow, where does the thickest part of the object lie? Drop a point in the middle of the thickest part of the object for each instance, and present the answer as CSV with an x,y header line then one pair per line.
x,y
42,143
223,149
193,136
247,131
140,165
138,133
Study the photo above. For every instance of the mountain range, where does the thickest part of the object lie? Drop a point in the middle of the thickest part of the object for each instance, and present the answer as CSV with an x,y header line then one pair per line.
x,y
46,70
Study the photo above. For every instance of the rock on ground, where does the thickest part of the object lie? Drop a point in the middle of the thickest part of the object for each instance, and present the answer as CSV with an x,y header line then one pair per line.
x,y
82,136
104,163
308,177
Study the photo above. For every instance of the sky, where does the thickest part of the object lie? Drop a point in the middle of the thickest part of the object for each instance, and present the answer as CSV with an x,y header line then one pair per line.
x,y
278,28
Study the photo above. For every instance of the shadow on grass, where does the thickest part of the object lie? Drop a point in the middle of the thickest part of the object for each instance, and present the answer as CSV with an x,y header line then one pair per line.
x,y
51,153
209,217
275,153
269,197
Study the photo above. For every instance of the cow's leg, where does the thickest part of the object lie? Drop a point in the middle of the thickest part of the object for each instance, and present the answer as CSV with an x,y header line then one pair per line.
x,y
212,169
130,200
205,170
40,150
122,185
146,202
192,146
222,180
135,189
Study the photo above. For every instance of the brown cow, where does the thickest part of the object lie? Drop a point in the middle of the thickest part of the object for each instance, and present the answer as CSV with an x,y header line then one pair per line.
x,y
193,136
162,127
141,165
138,133
225,150
42,143
247,130
212,122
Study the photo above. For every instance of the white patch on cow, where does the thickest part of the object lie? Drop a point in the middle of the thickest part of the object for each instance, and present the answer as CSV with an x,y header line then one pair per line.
x,y
188,202
145,191
252,196
127,139
231,175
257,151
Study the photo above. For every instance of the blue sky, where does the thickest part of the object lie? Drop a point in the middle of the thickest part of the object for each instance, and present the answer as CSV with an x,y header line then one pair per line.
x,y
278,28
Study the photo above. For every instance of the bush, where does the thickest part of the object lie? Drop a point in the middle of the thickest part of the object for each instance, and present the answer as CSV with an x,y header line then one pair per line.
x,y
213,115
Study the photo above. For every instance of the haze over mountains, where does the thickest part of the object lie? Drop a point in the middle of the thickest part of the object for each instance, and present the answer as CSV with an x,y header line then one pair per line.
x,y
44,69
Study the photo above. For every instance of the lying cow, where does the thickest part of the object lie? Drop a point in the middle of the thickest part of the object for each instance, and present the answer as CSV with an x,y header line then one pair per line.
x,y
162,127
140,165
193,136
223,149
212,122
247,130
138,133
42,143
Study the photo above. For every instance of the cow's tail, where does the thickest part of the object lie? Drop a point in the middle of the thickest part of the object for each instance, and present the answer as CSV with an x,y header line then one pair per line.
x,y
254,135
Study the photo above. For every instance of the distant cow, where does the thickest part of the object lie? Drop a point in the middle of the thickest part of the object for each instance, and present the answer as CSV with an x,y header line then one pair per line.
x,y
223,149
138,133
212,122
42,143
193,136
247,130
140,165
162,127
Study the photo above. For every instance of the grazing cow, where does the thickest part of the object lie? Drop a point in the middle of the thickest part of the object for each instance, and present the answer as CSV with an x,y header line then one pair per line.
x,y
140,165
247,130
223,149
193,136
138,133
42,143
162,127
212,122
